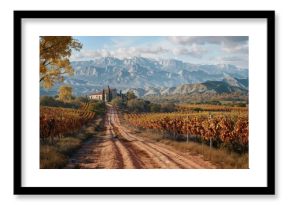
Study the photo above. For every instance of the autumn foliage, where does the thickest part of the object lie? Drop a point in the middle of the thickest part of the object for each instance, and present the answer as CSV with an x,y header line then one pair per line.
x,y
57,122
224,129
54,58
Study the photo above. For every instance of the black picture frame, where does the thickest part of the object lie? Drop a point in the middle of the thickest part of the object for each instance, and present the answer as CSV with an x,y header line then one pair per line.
x,y
268,190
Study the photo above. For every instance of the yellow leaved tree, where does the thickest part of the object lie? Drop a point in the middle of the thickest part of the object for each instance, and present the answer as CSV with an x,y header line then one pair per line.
x,y
54,58
65,93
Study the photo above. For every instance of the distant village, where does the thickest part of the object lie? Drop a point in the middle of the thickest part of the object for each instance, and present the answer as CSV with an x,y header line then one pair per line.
x,y
107,95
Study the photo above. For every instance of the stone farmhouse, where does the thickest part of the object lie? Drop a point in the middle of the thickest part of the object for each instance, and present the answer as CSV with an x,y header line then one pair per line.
x,y
105,95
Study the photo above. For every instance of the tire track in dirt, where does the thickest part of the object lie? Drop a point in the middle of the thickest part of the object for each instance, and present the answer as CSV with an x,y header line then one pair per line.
x,y
183,161
118,156
162,160
141,157
108,154
118,148
123,155
86,156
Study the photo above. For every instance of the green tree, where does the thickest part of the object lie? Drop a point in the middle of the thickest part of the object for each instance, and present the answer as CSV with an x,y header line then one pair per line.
x,y
65,93
168,107
155,107
136,105
82,99
54,58
98,107
118,102
131,95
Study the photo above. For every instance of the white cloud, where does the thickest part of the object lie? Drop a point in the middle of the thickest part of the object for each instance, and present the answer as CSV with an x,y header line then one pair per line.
x,y
153,52
89,54
244,48
183,40
201,40
120,52
193,51
228,44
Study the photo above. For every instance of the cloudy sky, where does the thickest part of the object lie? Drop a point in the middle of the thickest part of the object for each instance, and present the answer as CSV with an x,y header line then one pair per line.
x,y
194,49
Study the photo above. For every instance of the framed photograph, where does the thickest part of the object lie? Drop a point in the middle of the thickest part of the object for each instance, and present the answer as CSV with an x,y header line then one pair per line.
x,y
144,102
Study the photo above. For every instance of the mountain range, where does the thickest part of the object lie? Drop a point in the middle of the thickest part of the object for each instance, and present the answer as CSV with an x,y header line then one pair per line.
x,y
227,85
146,74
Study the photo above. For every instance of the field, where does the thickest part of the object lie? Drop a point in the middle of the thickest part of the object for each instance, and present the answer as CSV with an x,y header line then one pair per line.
x,y
209,107
210,135
57,122
63,131
218,129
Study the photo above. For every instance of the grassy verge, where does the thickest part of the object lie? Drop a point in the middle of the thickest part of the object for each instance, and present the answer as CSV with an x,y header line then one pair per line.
x,y
222,158
55,155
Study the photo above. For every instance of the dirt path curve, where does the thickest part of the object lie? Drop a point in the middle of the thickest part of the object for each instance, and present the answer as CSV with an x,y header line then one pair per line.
x,y
120,148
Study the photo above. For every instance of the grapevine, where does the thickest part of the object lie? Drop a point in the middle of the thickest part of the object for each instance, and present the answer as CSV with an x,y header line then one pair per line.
x,y
56,122
224,127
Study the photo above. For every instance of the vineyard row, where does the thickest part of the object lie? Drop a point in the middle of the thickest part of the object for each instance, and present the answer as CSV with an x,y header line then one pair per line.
x,y
56,122
219,128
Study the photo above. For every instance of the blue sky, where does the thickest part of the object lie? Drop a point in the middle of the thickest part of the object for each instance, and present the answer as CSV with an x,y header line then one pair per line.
x,y
194,49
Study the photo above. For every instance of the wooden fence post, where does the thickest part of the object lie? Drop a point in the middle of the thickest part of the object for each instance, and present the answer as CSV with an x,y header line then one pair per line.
x,y
187,131
210,146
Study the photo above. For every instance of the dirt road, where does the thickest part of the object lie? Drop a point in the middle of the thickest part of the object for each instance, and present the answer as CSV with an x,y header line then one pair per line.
x,y
121,148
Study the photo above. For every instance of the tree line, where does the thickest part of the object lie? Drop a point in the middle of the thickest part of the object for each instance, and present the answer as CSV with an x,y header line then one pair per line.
x,y
136,105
